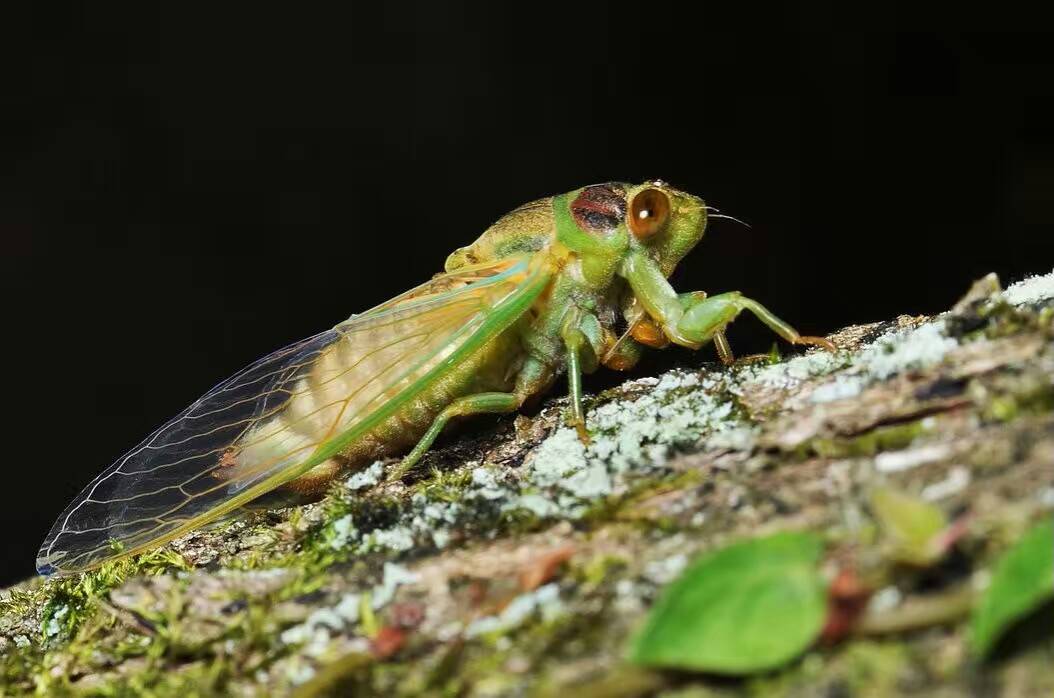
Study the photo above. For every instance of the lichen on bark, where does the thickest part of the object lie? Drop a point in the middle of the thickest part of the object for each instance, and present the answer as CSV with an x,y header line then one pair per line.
x,y
516,561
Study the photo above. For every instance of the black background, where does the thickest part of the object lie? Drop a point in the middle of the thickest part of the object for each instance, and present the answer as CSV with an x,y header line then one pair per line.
x,y
182,192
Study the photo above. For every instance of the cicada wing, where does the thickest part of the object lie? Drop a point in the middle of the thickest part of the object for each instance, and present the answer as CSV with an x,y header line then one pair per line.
x,y
286,413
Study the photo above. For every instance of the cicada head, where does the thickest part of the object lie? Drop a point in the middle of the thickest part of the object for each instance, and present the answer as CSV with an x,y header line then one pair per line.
x,y
664,222
599,225
603,223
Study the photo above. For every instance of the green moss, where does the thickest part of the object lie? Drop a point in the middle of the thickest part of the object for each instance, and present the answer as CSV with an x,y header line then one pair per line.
x,y
1015,396
22,602
598,571
73,599
620,506
346,676
1006,320
862,668
70,620
519,521
886,438
19,666
445,485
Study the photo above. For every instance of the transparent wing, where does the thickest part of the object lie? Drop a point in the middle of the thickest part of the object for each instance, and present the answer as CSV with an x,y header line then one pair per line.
x,y
286,413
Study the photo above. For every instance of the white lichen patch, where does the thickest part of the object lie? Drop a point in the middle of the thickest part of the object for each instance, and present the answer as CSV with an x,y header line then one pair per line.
x,y
631,436
902,350
895,352
897,461
367,477
1032,290
420,520
590,482
736,438
666,570
348,608
54,624
316,632
396,538
790,374
957,480
344,532
486,484
394,577
535,503
345,536
885,600
299,672
434,518
560,455
544,601
840,387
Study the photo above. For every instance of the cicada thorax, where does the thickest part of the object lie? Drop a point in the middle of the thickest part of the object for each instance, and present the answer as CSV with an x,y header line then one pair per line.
x,y
526,230
598,210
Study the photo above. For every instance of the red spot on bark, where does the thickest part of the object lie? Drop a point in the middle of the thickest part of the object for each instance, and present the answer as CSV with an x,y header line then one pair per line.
x,y
477,592
543,568
407,614
954,532
387,642
847,598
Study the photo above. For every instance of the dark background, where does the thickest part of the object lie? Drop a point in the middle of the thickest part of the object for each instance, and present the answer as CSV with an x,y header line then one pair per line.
x,y
182,192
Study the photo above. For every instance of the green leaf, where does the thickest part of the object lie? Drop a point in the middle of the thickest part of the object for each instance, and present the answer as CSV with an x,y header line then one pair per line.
x,y
912,526
1022,582
751,606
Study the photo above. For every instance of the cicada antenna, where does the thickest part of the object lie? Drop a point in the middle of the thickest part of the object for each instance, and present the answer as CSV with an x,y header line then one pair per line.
x,y
717,214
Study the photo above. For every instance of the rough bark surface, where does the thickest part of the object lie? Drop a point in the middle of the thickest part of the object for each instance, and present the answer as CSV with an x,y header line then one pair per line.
x,y
515,561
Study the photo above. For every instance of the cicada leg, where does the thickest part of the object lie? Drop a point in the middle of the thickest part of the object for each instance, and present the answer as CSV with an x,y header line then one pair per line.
x,y
706,319
585,342
480,403
728,358
576,343
724,349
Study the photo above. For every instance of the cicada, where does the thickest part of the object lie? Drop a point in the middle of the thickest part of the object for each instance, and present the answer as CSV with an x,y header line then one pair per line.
x,y
561,285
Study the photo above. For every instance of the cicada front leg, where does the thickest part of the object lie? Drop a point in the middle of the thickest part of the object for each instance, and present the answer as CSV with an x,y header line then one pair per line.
x,y
705,319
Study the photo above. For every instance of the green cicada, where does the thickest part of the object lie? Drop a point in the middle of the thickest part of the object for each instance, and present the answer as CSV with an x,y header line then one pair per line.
x,y
566,283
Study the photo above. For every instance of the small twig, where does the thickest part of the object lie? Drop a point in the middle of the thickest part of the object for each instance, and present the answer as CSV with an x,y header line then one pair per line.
x,y
130,618
921,612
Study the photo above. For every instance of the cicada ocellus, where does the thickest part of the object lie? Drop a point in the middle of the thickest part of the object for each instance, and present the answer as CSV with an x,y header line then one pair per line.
x,y
562,284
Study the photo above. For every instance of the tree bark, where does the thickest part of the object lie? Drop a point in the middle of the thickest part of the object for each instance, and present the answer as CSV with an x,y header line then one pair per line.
x,y
514,561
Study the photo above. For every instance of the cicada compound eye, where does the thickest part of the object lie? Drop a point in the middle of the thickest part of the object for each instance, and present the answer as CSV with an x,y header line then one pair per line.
x,y
648,213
